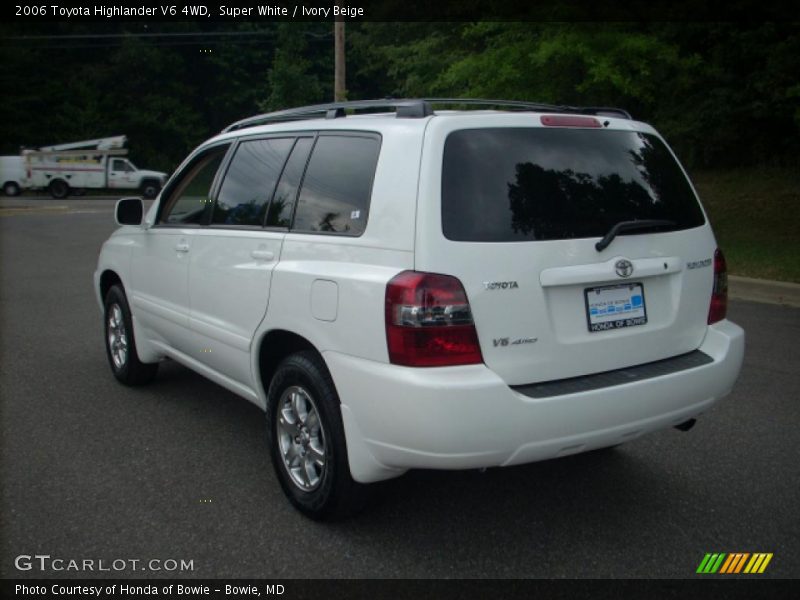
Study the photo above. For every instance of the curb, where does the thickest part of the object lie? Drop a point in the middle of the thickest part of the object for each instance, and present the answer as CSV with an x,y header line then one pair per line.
x,y
764,290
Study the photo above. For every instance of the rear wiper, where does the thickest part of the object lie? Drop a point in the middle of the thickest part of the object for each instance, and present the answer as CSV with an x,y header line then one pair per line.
x,y
630,226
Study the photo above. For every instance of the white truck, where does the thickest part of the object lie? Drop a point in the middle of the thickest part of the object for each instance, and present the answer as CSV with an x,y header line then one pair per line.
x,y
90,164
12,175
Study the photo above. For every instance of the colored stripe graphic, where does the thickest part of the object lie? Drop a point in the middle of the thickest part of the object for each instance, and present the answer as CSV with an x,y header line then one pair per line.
x,y
758,563
711,563
733,563
732,558
741,562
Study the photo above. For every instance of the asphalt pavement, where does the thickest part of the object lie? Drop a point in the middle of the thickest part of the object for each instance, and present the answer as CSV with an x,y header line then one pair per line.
x,y
178,470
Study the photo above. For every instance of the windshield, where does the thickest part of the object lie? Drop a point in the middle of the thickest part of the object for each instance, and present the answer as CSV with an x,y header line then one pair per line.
x,y
524,184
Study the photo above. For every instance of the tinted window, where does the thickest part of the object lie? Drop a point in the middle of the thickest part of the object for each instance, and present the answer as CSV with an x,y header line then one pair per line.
x,y
337,185
189,198
280,211
502,185
249,182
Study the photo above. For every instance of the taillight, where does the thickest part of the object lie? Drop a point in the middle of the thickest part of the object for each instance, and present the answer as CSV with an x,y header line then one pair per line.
x,y
429,322
719,294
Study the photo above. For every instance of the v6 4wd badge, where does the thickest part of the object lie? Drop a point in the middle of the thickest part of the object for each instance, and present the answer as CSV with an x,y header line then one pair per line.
x,y
501,342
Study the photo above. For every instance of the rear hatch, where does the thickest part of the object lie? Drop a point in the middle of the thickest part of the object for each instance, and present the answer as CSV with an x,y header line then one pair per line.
x,y
514,206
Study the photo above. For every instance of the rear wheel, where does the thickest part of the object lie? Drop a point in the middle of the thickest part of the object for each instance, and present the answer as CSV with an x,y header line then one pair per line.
x,y
306,440
120,344
59,188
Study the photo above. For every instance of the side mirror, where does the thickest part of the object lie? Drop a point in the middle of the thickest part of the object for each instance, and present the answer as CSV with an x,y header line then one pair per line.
x,y
129,211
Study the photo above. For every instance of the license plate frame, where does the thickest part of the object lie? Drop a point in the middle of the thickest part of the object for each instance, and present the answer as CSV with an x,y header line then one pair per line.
x,y
616,306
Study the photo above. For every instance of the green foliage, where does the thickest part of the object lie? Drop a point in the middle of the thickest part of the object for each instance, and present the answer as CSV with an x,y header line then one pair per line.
x,y
752,212
166,94
724,94
294,79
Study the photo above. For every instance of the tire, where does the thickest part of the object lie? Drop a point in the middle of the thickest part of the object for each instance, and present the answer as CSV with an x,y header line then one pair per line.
x,y
150,189
120,343
11,188
59,189
306,440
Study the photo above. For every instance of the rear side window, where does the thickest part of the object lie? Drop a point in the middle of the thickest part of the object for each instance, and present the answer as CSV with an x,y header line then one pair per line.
x,y
337,186
248,185
506,185
280,211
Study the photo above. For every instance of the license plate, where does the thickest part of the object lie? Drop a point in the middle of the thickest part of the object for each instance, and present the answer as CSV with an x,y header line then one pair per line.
x,y
615,306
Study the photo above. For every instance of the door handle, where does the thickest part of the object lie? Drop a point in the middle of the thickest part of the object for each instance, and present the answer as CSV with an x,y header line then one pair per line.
x,y
182,246
262,254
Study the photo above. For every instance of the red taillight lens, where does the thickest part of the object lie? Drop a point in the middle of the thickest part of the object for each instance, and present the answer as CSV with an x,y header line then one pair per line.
x,y
719,294
429,322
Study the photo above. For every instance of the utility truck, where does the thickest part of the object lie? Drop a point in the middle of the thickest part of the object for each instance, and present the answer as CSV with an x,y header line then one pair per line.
x,y
91,164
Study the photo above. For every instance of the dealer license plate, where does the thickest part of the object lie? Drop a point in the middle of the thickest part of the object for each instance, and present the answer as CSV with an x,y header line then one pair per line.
x,y
615,306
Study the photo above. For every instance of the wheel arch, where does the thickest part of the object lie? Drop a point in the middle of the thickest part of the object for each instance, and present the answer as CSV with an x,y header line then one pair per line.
x,y
108,279
273,347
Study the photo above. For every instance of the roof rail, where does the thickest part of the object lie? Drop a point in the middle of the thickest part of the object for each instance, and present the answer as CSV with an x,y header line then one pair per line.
x,y
404,108
410,108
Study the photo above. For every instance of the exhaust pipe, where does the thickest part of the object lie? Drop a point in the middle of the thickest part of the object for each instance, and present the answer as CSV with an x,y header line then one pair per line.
x,y
686,425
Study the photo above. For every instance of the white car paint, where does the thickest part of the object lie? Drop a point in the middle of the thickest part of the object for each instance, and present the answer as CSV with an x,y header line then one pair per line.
x,y
207,297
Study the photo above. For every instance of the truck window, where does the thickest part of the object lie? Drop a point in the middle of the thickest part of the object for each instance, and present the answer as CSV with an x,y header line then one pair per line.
x,y
119,165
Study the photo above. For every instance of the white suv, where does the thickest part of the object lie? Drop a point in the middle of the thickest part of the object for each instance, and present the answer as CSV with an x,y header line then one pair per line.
x,y
415,289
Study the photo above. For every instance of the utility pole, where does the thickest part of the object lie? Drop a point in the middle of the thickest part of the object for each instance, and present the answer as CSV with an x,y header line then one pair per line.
x,y
339,88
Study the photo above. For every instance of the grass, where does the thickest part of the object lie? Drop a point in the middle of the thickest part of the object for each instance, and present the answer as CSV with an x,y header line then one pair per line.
x,y
754,213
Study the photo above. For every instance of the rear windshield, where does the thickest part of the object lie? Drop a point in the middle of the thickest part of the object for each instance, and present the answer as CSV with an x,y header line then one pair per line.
x,y
508,185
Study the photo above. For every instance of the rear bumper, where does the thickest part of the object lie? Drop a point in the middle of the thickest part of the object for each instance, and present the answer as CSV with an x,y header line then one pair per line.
x,y
400,418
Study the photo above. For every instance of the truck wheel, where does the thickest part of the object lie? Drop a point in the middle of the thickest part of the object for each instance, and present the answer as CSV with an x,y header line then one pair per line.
x,y
306,440
150,189
11,188
59,188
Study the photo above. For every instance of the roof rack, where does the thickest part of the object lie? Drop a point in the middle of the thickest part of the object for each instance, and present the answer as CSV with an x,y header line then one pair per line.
x,y
535,106
411,108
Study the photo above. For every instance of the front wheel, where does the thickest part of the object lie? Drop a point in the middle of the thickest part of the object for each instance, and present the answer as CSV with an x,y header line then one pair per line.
x,y
150,189
120,344
306,440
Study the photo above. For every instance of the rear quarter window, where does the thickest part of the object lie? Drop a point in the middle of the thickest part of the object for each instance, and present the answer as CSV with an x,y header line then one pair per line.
x,y
524,184
337,185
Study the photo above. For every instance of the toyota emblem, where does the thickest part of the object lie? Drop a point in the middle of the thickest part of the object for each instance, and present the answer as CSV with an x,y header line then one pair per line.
x,y
624,268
